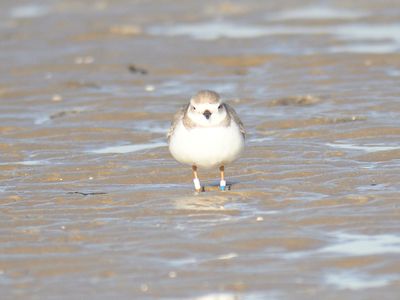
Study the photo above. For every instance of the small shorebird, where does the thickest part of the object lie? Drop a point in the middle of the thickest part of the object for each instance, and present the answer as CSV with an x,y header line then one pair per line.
x,y
206,133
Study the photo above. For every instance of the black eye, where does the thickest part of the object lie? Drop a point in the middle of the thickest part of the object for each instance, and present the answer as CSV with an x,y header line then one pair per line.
x,y
194,108
219,107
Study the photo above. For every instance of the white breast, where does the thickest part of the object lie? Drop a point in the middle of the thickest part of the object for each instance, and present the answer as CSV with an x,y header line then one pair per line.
x,y
206,147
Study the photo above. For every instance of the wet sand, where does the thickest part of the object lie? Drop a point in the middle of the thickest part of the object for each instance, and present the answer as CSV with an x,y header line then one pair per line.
x,y
93,206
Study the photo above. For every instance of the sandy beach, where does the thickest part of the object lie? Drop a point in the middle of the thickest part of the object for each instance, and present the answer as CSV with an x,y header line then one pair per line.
x,y
93,206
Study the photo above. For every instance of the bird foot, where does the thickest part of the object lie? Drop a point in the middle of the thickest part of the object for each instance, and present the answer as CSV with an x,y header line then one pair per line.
x,y
222,185
197,185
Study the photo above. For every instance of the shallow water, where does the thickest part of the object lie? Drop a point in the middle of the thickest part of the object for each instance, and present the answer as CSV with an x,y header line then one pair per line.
x,y
93,205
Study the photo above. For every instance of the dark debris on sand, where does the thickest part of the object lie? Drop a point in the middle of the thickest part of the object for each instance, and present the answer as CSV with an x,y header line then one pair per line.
x,y
137,70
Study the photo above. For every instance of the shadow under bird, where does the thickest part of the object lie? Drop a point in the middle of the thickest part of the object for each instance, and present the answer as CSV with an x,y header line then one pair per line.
x,y
206,133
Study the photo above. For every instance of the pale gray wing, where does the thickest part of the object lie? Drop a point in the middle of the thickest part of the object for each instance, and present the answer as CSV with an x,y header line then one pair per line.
x,y
177,117
236,118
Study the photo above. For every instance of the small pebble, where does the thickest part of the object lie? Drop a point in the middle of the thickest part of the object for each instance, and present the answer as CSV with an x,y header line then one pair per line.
x,y
90,178
149,88
84,60
172,274
260,219
56,98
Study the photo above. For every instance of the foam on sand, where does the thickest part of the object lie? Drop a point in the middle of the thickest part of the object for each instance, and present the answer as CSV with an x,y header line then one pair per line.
x,y
128,148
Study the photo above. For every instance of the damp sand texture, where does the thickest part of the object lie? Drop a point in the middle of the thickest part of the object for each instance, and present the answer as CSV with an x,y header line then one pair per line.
x,y
92,205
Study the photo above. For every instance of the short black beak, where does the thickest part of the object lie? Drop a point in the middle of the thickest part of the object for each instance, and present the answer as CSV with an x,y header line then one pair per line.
x,y
207,114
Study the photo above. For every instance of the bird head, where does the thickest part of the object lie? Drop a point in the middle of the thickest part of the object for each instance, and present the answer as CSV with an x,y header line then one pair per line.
x,y
206,109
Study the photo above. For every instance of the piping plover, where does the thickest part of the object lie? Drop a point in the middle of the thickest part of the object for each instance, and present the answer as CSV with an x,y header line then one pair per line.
x,y
206,133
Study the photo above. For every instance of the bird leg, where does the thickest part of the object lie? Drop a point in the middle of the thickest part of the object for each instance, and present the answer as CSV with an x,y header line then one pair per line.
x,y
196,180
222,183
